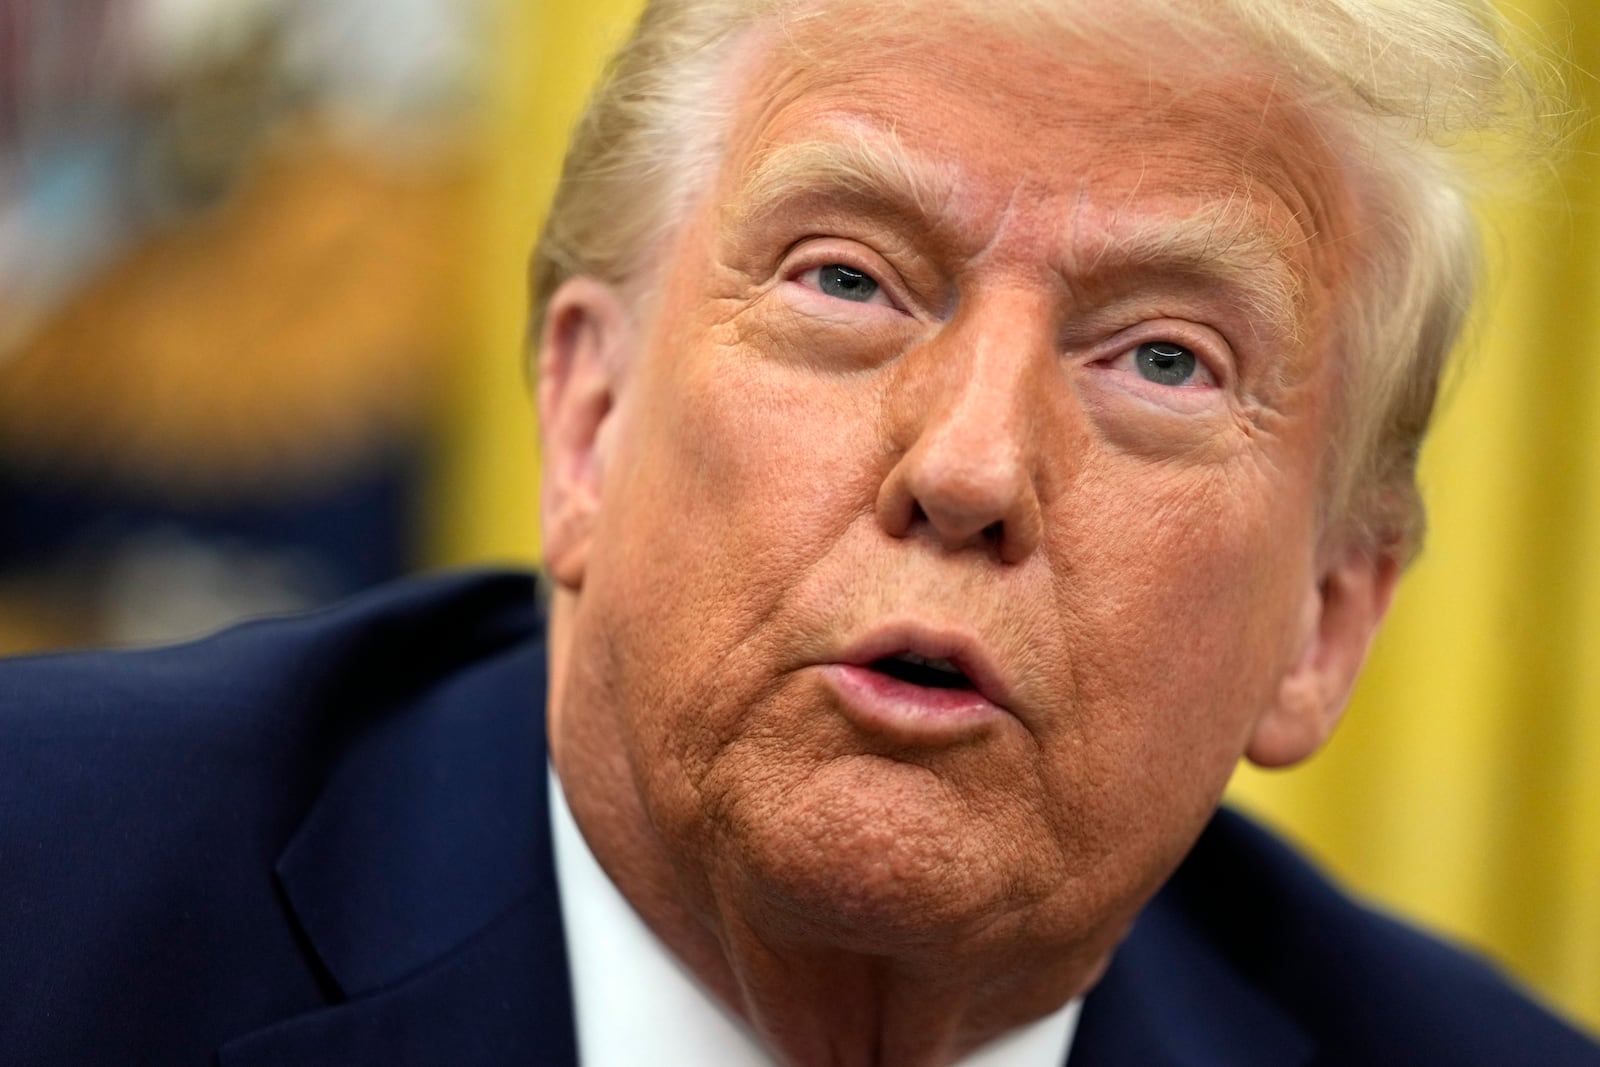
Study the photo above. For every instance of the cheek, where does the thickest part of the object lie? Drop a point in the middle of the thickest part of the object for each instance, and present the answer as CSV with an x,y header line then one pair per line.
x,y
730,478
1183,596
760,465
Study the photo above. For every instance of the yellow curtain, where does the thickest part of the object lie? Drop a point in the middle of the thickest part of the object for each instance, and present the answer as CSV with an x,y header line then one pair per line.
x,y
547,54
1464,788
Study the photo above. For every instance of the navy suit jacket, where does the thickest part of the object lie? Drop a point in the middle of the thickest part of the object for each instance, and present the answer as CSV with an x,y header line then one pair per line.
x,y
325,841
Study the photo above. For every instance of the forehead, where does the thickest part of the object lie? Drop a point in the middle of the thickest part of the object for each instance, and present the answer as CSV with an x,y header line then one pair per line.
x,y
1044,146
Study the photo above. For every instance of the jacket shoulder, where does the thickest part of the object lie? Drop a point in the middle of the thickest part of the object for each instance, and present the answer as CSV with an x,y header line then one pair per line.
x,y
145,797
276,675
256,713
1365,987
389,639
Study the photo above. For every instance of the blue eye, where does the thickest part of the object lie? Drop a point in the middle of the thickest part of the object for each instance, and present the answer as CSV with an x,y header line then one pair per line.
x,y
838,280
1164,363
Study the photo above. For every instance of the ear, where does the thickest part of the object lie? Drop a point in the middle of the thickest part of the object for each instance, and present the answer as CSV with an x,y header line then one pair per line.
x,y
1340,616
584,349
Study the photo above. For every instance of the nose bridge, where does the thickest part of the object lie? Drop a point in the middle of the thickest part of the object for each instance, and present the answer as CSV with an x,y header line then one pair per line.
x,y
986,364
971,462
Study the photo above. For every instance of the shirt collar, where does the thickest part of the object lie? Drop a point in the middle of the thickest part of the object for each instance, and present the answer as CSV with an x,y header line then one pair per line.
x,y
635,1002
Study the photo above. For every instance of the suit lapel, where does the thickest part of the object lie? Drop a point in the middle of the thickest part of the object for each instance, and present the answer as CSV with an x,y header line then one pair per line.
x,y
423,880
501,1000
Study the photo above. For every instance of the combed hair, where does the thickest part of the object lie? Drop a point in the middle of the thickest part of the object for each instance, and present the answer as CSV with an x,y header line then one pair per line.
x,y
1413,94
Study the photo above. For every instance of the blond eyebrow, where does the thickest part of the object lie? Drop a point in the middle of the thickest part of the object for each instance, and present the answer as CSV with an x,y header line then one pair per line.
x,y
874,168
1222,242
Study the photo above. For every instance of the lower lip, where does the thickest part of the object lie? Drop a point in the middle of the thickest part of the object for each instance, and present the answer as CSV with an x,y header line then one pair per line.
x,y
912,714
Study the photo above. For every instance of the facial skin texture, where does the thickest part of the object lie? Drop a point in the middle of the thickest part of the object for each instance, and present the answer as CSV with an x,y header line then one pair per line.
x,y
751,479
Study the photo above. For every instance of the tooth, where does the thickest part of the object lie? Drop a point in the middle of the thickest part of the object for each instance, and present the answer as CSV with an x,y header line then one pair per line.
x,y
940,664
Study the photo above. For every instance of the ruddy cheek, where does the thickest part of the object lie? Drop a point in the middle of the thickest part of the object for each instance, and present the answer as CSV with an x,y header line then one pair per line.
x,y
1163,559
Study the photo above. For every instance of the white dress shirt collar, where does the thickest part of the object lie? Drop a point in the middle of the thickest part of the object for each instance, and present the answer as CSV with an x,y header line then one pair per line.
x,y
636,1003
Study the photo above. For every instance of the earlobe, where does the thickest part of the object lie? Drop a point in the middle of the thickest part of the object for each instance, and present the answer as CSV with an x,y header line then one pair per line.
x,y
584,348
1340,617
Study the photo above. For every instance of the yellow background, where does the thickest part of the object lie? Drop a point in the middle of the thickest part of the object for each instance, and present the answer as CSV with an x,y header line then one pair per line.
x,y
1462,789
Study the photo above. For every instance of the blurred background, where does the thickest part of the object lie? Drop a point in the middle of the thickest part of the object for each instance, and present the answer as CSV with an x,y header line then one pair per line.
x,y
240,273
261,307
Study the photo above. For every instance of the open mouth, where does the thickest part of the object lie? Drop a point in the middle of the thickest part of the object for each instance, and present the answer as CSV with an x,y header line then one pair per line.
x,y
943,693
920,670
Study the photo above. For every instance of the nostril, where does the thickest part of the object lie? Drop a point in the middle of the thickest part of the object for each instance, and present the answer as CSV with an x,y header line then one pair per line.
x,y
995,531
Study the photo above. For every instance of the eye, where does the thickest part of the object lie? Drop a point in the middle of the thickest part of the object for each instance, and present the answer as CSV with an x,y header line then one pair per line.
x,y
844,283
1167,363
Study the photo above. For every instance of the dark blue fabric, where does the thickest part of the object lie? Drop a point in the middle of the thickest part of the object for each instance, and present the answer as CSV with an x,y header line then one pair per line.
x,y
1246,928
329,826
324,840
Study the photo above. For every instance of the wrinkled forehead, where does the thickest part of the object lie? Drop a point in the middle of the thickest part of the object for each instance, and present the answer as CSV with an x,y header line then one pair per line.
x,y
970,109
1165,47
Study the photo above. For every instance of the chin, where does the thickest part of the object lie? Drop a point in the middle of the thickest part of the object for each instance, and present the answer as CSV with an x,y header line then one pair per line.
x,y
868,854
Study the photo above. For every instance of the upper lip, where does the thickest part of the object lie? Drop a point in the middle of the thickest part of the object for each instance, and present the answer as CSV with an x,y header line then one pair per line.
x,y
966,652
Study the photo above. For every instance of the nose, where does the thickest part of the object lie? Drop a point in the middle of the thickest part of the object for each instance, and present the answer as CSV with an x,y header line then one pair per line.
x,y
970,423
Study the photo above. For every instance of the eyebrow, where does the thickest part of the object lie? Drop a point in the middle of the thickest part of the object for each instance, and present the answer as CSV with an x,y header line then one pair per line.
x,y
1223,243
874,168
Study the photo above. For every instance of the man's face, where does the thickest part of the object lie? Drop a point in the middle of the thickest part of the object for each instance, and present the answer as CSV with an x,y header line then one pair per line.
x,y
1001,356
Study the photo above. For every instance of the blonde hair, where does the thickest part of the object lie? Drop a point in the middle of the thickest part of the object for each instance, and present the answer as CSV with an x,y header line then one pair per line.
x,y
1411,91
